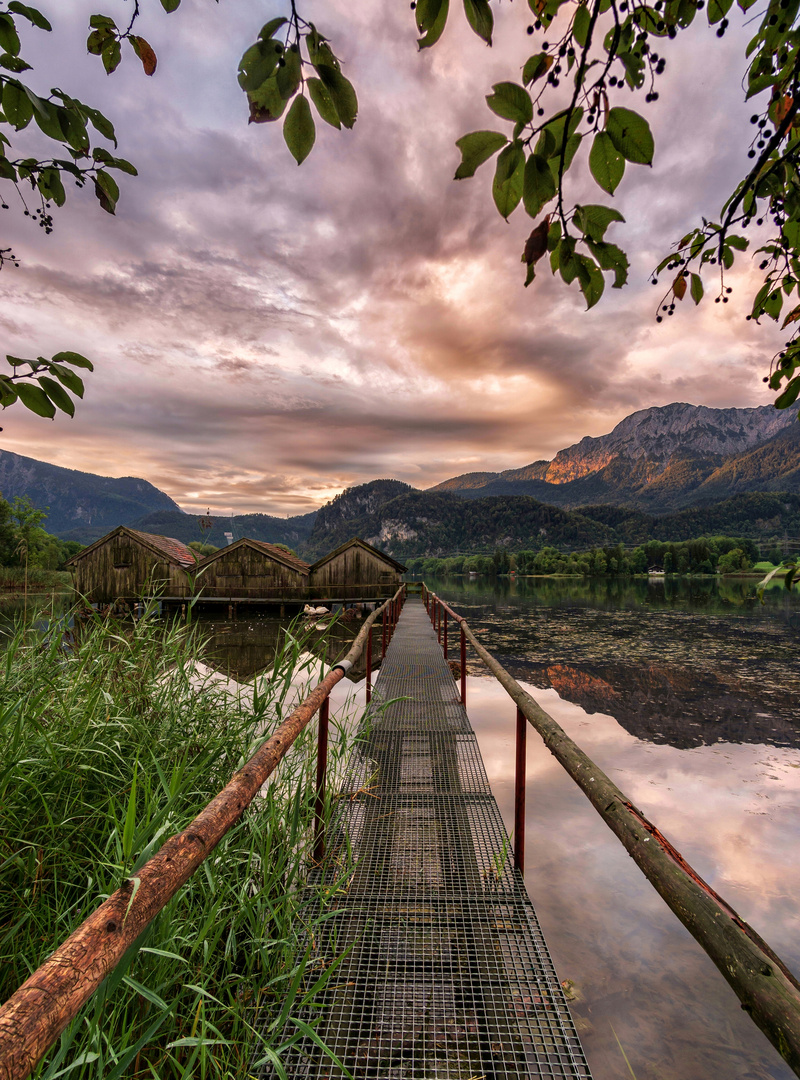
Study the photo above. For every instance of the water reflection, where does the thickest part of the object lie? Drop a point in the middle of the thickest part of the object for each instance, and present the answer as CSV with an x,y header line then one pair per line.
x,y
682,693
245,647
690,663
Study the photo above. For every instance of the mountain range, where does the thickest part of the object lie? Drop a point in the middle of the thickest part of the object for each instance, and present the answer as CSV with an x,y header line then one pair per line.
x,y
670,472
659,459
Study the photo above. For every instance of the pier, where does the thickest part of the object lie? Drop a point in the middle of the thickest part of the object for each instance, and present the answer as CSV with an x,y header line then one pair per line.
x,y
448,973
438,967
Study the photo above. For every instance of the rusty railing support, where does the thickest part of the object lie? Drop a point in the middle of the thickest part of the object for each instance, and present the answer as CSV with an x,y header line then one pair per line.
x,y
369,666
519,791
322,765
463,666
444,635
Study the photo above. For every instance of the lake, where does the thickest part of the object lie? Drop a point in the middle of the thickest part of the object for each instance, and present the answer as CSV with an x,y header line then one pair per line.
x,y
684,692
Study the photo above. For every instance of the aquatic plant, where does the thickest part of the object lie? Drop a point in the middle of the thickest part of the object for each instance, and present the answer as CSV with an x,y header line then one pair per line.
x,y
112,737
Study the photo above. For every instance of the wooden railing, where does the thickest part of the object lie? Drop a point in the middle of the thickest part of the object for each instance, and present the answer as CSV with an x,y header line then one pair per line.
x,y
36,1014
767,989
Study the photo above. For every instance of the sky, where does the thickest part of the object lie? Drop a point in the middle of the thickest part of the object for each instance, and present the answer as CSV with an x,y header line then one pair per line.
x,y
266,335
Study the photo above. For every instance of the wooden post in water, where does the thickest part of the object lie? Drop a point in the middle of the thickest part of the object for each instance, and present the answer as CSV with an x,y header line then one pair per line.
x,y
463,667
519,792
322,762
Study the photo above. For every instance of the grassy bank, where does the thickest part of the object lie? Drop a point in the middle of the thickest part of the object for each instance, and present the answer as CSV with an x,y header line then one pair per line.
x,y
12,580
107,747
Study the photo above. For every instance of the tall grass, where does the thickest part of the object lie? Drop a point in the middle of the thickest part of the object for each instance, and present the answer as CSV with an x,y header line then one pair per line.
x,y
111,741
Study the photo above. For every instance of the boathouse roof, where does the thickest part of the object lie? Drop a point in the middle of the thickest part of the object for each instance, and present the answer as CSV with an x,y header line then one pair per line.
x,y
272,550
358,542
166,546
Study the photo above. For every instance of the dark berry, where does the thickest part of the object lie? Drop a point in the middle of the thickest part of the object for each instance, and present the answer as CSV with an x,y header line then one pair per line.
x,y
530,29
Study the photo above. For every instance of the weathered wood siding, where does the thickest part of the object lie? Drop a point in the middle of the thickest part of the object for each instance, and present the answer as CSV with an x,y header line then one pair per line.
x,y
248,572
124,569
347,574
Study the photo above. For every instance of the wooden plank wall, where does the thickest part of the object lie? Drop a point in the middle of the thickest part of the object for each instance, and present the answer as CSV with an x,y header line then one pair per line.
x,y
123,568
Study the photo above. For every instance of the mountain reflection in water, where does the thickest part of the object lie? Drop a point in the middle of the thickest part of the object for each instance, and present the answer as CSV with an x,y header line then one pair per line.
x,y
681,691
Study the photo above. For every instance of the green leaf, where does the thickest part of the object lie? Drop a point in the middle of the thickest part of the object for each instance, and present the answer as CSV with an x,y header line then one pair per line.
x,y
57,395
9,38
170,5
718,9
593,220
123,166
580,25
323,102
33,15
268,29
75,359
476,148
480,18
539,187
437,27
35,399
630,133
611,257
257,65
606,164
290,75
17,105
789,395
111,55
266,103
511,101
590,279
570,150
13,63
70,379
102,22
51,186
536,66
100,123
697,288
299,130
738,242
564,258
7,170
342,93
509,179
107,191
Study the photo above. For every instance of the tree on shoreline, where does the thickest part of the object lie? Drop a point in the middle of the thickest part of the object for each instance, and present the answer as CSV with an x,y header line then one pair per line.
x,y
604,51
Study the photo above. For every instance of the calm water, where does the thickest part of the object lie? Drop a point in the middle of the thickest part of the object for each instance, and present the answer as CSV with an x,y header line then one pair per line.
x,y
685,693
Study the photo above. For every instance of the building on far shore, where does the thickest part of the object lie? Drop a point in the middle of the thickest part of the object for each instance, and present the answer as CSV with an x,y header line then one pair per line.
x,y
127,564
354,570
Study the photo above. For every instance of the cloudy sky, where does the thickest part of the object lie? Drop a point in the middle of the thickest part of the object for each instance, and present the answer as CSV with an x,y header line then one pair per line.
x,y
265,335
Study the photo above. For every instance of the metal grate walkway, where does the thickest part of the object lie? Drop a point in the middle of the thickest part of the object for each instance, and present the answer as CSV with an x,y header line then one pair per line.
x,y
448,975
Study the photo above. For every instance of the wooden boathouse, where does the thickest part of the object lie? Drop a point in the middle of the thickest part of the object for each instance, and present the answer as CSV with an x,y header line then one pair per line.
x,y
252,570
354,571
127,564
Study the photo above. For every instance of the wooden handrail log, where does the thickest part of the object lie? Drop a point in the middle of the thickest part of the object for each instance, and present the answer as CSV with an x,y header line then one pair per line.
x,y
765,986
36,1014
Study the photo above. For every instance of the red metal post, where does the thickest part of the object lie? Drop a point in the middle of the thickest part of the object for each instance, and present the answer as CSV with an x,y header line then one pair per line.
x,y
369,666
322,761
444,636
438,621
463,667
383,637
519,793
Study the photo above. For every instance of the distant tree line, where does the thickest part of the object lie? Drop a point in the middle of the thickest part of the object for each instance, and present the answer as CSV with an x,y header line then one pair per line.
x,y
23,541
704,555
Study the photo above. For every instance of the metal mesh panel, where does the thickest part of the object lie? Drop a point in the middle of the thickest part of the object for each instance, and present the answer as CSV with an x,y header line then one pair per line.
x,y
448,976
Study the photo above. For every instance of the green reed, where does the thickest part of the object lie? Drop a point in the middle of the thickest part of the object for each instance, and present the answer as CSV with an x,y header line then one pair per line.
x,y
111,740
